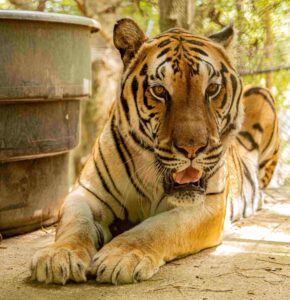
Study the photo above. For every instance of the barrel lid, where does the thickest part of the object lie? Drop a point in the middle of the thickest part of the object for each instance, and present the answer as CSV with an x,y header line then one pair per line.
x,y
26,15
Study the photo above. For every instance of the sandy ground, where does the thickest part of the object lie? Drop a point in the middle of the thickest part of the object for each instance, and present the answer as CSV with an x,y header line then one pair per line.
x,y
252,263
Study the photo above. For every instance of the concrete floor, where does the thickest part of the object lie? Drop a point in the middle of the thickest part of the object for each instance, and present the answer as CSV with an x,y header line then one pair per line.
x,y
252,263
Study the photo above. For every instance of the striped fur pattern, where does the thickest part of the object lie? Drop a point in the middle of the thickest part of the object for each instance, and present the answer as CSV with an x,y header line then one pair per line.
x,y
254,153
124,219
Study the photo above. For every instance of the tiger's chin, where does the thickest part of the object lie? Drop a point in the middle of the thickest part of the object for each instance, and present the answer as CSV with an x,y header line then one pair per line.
x,y
185,199
191,193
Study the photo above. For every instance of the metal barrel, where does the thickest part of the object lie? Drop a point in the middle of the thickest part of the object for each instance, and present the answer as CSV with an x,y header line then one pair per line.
x,y
45,70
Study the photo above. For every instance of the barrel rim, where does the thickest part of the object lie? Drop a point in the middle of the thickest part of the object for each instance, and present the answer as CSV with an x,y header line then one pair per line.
x,y
26,15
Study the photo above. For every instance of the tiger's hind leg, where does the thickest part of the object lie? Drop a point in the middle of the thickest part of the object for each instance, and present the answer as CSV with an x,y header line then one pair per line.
x,y
260,131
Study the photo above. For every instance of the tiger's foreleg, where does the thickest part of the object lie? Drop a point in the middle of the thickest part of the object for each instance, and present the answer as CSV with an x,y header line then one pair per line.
x,y
78,237
138,253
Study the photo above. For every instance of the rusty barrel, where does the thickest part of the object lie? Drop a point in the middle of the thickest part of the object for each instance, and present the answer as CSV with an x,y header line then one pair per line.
x,y
45,70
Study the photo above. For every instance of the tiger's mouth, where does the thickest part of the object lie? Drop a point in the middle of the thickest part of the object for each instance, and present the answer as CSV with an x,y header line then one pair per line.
x,y
188,180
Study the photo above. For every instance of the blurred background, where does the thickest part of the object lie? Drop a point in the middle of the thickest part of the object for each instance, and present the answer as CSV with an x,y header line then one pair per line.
x,y
262,52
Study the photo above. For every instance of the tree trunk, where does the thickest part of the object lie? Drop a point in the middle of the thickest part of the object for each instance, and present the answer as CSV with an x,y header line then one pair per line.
x,y
239,24
29,5
176,13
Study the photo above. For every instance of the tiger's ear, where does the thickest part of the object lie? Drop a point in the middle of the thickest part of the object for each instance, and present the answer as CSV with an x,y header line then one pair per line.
x,y
128,38
224,37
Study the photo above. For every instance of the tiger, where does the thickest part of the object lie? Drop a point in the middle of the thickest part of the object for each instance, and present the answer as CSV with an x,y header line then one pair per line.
x,y
186,147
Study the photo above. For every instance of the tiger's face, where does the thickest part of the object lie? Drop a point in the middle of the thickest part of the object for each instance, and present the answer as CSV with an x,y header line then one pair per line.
x,y
181,98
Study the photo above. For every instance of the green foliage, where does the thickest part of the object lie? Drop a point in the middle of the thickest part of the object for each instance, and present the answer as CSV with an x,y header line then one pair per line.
x,y
249,18
56,6
281,88
143,13
4,4
62,6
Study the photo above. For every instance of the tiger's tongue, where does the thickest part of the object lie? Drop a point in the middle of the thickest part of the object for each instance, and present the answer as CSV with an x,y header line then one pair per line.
x,y
186,176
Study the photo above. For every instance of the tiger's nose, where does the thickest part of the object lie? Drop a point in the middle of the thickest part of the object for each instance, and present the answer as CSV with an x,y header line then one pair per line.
x,y
191,151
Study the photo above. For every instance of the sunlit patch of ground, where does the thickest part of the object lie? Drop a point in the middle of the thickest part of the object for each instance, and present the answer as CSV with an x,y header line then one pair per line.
x,y
252,263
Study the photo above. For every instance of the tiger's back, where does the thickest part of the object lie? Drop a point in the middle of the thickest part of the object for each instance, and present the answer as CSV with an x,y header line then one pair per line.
x,y
260,130
254,154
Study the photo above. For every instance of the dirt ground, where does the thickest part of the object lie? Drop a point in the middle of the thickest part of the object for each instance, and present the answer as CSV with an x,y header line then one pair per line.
x,y
252,263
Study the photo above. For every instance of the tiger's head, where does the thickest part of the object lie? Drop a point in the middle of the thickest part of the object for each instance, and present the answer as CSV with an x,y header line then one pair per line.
x,y
180,99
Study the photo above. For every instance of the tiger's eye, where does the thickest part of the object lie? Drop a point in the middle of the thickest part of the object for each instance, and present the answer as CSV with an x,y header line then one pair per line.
x,y
159,91
212,89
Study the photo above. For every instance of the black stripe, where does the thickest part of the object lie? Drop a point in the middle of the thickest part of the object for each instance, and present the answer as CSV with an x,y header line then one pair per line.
x,y
170,165
198,43
215,148
211,164
152,115
251,91
118,140
247,135
160,65
216,193
259,91
134,88
263,163
125,107
108,171
238,101
241,143
232,126
139,142
144,70
164,43
94,194
271,137
195,37
229,128
228,115
145,99
164,150
250,180
161,198
148,106
234,86
106,187
225,97
198,51
213,156
192,64
167,158
164,51
223,71
258,127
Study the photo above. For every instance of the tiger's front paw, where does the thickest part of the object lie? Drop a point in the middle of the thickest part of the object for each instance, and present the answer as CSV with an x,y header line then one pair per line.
x,y
59,263
121,264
